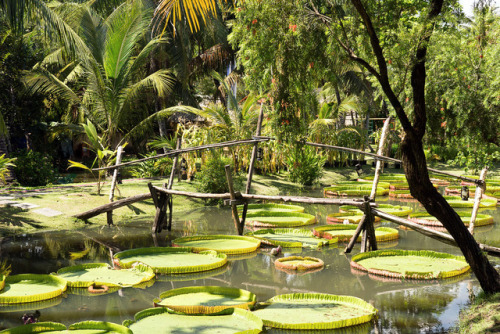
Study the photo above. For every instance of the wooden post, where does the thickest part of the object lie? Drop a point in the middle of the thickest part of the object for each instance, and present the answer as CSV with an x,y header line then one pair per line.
x,y
174,164
379,162
369,228
161,206
168,203
477,199
109,214
360,227
233,196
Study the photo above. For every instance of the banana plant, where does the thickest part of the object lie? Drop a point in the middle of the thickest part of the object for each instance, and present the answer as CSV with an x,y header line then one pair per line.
x,y
104,155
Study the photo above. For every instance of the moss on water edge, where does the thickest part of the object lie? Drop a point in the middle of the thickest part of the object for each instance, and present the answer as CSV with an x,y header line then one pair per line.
x,y
483,316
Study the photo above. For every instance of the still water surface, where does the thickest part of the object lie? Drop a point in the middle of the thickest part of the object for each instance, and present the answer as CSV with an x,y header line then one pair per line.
x,y
404,306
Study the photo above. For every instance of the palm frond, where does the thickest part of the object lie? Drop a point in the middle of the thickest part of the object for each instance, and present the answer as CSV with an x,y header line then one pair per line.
x,y
42,81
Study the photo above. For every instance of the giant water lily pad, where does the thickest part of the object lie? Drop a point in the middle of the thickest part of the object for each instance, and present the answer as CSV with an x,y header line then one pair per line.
x,y
279,219
396,210
27,288
85,327
300,263
423,218
228,244
206,299
162,321
171,260
354,190
410,264
457,202
315,311
85,275
291,238
346,217
344,232
272,207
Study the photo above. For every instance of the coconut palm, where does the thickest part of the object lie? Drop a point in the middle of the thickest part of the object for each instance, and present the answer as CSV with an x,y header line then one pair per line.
x,y
106,82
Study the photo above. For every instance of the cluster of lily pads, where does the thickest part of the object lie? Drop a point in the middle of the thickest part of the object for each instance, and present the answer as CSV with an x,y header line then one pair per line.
x,y
396,186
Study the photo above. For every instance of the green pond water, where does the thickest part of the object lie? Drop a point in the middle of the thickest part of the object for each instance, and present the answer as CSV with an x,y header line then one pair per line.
x,y
404,306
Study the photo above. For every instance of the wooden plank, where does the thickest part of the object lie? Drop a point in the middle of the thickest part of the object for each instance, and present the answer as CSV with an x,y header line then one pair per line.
x,y
380,151
112,206
477,200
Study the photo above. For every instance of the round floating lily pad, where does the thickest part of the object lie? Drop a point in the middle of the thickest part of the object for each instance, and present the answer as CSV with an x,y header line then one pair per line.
x,y
315,311
205,299
85,327
344,232
410,264
160,320
396,210
299,263
85,275
342,217
228,244
27,288
192,276
279,219
272,207
423,218
388,177
171,260
291,238
361,182
354,190
457,202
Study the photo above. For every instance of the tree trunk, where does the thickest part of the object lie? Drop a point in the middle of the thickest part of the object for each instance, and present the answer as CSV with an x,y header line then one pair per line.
x,y
421,188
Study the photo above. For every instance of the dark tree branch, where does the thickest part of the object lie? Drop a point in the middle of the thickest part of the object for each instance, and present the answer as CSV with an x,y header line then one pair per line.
x,y
418,74
379,55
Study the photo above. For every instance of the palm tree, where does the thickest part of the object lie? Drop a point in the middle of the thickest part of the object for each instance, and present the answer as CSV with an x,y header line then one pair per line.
x,y
106,82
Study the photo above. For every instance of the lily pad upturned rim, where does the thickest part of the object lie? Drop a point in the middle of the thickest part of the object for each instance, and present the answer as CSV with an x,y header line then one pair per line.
x,y
250,316
323,297
425,218
204,309
396,210
333,219
310,219
271,206
457,202
340,192
389,235
221,259
43,327
59,284
242,250
149,274
281,263
409,274
290,244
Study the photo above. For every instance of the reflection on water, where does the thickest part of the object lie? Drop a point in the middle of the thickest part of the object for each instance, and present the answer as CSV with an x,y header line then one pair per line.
x,y
404,306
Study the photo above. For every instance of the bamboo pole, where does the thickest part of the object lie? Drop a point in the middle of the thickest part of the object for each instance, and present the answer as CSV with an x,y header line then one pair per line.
x,y
380,151
477,199
174,164
233,197
441,236
254,152
381,157
191,149
112,206
109,214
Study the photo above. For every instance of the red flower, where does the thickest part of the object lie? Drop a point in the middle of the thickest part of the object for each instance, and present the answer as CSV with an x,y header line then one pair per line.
x,y
238,9
443,125
480,56
390,61
254,21
311,64
442,109
407,99
292,27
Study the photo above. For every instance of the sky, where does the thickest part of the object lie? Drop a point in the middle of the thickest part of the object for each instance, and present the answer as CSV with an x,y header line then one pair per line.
x,y
467,6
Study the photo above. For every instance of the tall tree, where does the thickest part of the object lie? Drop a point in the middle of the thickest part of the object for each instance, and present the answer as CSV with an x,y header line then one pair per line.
x,y
413,117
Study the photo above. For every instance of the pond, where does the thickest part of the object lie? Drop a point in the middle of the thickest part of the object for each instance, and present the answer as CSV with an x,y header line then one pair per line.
x,y
404,306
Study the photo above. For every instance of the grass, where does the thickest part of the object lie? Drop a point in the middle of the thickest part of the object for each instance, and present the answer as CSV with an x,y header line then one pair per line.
x,y
482,317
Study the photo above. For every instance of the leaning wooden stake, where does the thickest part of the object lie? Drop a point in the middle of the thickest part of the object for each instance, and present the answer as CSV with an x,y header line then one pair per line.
x,y
477,199
234,200
369,228
169,204
359,229
174,165
161,208
380,151
109,214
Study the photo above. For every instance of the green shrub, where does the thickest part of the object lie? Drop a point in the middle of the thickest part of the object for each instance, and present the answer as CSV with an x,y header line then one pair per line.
x,y
34,169
305,165
153,167
212,177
